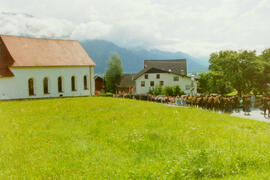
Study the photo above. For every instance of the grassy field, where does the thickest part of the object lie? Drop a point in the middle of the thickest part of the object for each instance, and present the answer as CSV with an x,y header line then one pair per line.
x,y
106,138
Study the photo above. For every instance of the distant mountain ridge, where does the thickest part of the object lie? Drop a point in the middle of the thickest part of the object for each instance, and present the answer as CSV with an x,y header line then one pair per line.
x,y
132,59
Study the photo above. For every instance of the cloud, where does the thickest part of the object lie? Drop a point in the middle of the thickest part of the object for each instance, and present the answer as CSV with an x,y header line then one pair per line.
x,y
27,25
197,27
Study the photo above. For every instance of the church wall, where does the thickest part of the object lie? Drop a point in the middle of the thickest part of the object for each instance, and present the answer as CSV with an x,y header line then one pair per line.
x,y
17,87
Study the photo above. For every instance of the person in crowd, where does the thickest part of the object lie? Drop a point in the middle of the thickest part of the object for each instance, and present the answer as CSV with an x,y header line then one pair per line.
x,y
227,105
212,102
222,104
216,102
246,105
184,100
198,101
204,103
253,100
236,103
266,106
178,101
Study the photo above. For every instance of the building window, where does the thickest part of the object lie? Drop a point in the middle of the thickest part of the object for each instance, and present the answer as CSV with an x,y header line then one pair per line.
x,y
158,76
175,78
142,83
60,84
187,87
146,76
161,83
85,82
46,85
152,83
31,87
73,85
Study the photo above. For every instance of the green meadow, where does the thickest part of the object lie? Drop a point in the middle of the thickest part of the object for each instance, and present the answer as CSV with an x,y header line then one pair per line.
x,y
107,138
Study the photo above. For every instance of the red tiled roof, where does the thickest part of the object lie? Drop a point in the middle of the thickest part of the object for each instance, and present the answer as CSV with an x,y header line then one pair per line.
x,y
31,52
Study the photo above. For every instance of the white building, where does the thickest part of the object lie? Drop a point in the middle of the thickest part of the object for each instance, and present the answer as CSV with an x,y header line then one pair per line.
x,y
164,73
44,68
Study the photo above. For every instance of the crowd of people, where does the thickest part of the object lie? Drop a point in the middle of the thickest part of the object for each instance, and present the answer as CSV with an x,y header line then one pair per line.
x,y
214,102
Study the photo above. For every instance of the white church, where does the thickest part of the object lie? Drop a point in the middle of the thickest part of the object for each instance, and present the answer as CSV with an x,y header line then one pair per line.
x,y
44,68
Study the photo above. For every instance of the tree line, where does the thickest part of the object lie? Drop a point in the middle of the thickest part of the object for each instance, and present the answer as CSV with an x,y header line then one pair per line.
x,y
243,71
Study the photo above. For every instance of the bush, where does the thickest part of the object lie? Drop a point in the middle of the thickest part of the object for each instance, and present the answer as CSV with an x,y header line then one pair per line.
x,y
168,91
151,91
177,91
106,94
157,90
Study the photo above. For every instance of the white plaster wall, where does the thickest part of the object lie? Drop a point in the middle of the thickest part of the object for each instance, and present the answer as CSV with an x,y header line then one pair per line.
x,y
17,87
92,81
168,81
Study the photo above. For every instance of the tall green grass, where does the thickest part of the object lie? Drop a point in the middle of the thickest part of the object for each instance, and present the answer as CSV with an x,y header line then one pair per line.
x,y
106,138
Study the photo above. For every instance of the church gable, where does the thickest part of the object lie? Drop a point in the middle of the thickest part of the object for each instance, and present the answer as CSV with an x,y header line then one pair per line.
x,y
5,61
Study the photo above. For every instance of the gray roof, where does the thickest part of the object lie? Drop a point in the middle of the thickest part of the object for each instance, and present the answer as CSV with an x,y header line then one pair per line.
x,y
127,80
176,66
149,70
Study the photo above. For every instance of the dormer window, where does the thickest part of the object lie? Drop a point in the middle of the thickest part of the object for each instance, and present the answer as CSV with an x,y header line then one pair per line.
x,y
182,72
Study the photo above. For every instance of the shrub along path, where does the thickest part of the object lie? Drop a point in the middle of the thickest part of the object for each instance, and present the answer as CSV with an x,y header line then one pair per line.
x,y
113,138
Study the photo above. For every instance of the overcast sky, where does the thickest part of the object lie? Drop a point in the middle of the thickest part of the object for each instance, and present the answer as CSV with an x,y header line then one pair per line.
x,y
197,27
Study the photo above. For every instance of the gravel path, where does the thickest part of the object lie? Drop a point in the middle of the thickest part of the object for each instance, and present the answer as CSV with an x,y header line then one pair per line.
x,y
255,114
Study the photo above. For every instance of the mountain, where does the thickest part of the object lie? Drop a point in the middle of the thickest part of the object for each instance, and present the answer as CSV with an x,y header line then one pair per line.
x,y
132,59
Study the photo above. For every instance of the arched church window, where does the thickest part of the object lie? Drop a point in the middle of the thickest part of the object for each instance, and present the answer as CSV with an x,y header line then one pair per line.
x,y
46,85
73,84
60,84
31,87
85,82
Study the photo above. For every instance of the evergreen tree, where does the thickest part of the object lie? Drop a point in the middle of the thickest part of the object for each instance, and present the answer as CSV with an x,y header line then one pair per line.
x,y
114,73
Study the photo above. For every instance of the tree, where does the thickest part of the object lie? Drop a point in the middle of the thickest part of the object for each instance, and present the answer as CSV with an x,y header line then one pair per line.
x,y
114,73
204,82
214,82
263,77
237,69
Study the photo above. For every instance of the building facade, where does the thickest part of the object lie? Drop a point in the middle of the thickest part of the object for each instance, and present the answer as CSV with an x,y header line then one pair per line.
x,y
165,73
99,85
149,80
44,68
127,84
